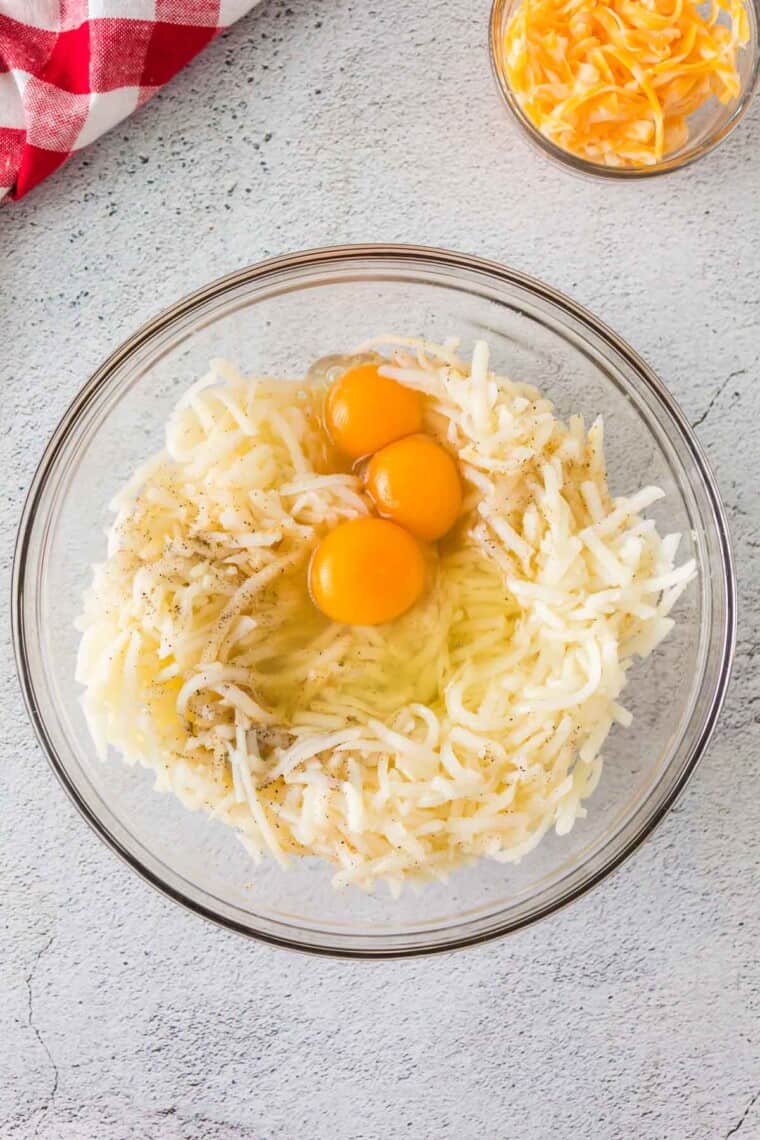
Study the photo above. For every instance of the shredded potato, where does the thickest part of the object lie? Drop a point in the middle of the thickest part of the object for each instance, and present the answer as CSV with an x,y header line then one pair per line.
x,y
466,728
615,81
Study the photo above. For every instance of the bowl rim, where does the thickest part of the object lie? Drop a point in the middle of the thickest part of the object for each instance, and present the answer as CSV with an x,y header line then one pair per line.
x,y
596,170
419,256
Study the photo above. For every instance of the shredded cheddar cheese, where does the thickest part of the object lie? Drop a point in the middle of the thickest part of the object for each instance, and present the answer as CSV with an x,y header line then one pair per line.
x,y
614,81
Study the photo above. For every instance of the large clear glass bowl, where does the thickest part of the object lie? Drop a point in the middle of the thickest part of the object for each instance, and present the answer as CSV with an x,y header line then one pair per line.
x,y
278,317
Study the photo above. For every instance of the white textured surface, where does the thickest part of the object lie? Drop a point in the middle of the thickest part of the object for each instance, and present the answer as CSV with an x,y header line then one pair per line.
x,y
634,1014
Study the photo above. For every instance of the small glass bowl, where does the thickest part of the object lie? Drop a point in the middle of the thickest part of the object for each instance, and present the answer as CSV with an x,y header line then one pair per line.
x,y
277,318
708,126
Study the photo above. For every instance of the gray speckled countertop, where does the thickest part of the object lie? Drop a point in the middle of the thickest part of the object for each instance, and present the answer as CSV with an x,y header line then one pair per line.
x,y
633,1014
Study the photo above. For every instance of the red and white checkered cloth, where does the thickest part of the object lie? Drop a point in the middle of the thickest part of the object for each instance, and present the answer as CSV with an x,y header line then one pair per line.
x,y
71,69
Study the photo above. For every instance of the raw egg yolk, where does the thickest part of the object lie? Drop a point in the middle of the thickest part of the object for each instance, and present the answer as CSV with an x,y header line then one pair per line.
x,y
365,411
415,482
366,571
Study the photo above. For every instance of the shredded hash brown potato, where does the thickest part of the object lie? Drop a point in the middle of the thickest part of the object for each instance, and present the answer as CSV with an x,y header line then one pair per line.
x,y
466,728
615,81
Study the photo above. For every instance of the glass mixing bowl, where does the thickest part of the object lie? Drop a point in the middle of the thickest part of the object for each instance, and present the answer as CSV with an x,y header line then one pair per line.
x,y
277,318
708,125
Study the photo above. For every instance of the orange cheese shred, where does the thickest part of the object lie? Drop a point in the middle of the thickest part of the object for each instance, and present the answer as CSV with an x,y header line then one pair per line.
x,y
614,81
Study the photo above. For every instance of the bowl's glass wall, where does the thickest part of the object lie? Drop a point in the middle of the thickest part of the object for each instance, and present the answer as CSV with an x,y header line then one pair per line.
x,y
278,323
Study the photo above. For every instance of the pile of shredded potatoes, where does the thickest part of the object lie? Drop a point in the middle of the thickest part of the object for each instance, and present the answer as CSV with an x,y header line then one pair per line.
x,y
467,727
614,81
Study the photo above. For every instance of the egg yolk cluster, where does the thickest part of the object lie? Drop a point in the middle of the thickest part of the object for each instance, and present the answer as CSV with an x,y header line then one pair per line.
x,y
372,570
